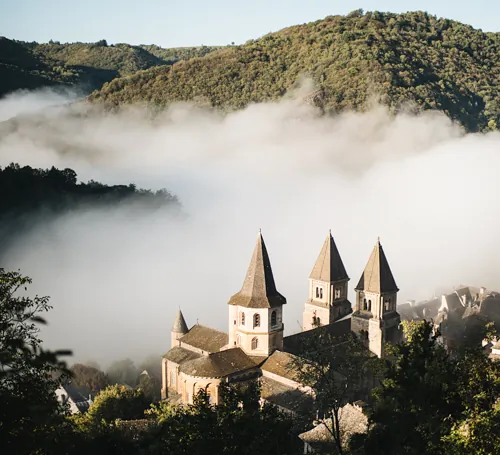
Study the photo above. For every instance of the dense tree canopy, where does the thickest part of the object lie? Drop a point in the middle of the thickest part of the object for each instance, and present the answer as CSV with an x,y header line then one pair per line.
x,y
88,377
52,191
435,63
431,402
32,65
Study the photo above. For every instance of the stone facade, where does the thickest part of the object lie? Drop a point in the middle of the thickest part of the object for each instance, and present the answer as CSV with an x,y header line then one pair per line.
x,y
254,347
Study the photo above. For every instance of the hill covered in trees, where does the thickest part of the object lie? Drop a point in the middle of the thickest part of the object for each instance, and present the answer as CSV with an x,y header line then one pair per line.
x,y
37,194
397,58
32,65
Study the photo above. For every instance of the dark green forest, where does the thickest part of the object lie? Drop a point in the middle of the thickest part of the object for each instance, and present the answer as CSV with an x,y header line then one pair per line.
x,y
31,65
415,57
32,195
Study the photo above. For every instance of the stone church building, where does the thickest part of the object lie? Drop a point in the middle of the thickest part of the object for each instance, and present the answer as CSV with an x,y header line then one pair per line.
x,y
255,345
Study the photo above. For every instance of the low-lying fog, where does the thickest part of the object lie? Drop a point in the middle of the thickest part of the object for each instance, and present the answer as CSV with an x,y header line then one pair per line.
x,y
116,279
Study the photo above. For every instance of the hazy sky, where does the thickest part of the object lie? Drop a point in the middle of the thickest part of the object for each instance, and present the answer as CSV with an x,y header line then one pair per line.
x,y
193,22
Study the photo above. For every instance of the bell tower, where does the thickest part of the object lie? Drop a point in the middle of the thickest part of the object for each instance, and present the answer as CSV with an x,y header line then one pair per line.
x,y
256,312
375,319
328,282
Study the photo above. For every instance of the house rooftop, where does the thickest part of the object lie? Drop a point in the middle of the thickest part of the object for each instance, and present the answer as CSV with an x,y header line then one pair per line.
x,y
219,364
205,338
284,396
281,364
180,355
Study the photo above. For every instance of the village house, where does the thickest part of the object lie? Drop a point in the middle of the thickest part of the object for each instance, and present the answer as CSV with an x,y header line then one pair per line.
x,y
457,315
255,346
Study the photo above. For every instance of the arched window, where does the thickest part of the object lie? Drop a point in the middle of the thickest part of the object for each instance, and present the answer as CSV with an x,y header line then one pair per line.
x,y
320,293
256,320
338,292
318,322
242,318
386,305
369,305
317,293
365,305
238,340
255,343
172,378
274,319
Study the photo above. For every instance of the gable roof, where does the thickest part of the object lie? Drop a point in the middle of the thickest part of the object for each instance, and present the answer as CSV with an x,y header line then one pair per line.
x,y
294,344
259,289
180,325
377,276
80,396
180,355
280,363
287,397
205,338
329,266
218,365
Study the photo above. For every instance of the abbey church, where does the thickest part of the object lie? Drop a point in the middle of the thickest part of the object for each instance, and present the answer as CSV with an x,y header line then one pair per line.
x,y
255,345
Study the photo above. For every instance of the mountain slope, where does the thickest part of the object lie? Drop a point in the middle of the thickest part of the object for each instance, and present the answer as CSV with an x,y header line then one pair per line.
x,y
32,65
436,63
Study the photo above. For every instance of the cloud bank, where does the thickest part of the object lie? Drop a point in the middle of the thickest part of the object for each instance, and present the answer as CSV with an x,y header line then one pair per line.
x,y
116,279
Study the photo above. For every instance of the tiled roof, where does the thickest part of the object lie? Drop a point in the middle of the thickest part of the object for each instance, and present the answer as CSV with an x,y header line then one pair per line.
x,y
259,289
180,325
329,266
180,355
294,344
352,421
281,364
284,396
377,276
218,365
205,338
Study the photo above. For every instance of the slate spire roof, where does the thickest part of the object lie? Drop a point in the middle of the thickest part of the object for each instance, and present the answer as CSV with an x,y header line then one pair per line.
x,y
180,325
377,276
329,266
259,289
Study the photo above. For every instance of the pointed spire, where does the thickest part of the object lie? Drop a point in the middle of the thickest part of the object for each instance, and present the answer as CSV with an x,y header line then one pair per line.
x,y
180,325
377,276
329,266
259,289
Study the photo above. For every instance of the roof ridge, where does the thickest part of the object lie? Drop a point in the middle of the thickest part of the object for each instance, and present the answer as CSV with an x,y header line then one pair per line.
x,y
377,275
329,266
259,288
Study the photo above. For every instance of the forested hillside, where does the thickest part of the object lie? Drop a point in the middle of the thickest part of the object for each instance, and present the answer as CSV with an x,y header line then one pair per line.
x,y
436,63
34,192
34,65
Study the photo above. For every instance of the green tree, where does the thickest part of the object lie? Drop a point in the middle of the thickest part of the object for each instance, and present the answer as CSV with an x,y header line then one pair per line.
x,y
90,377
416,399
237,426
117,402
335,369
31,419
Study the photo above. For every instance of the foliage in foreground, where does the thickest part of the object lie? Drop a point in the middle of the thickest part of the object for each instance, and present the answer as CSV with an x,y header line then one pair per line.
x,y
433,403
30,416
